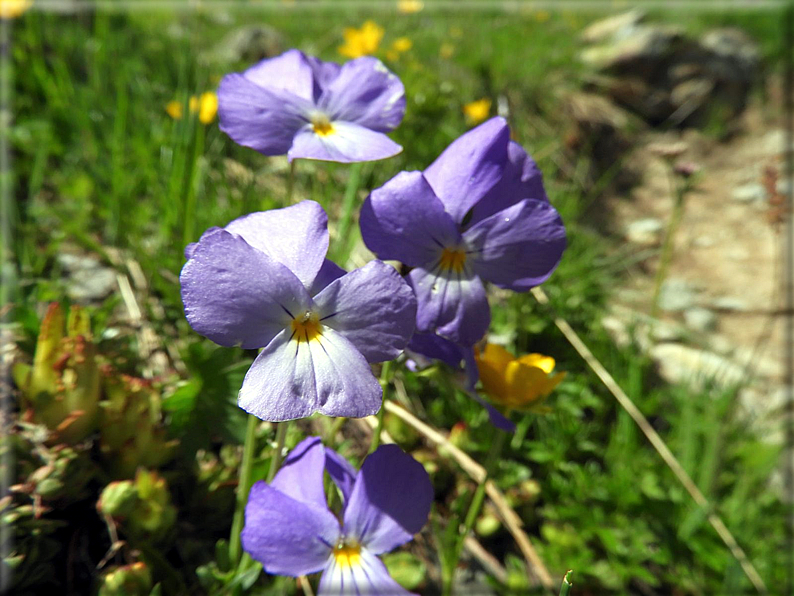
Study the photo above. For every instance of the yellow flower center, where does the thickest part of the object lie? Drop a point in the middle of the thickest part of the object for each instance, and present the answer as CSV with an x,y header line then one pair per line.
x,y
306,327
322,126
452,260
347,554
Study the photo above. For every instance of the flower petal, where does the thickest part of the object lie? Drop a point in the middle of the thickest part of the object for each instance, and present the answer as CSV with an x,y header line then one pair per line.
x,y
453,305
371,307
263,119
518,248
437,348
347,143
288,537
405,221
367,93
521,179
470,167
390,501
324,74
495,416
235,294
329,272
300,476
366,577
292,72
341,472
295,236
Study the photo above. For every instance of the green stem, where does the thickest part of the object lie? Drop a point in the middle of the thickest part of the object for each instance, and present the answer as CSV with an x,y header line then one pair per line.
x,y
385,377
291,180
565,587
345,221
281,436
243,487
667,247
474,509
188,229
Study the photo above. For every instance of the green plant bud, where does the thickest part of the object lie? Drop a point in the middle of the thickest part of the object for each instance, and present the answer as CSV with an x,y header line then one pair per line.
x,y
487,525
153,515
118,499
129,580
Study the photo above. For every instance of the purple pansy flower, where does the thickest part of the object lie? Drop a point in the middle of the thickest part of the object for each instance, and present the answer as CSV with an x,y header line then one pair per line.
x,y
307,108
290,530
263,282
479,212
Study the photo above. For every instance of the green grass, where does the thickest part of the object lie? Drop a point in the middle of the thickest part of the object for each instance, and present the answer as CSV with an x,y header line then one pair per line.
x,y
98,163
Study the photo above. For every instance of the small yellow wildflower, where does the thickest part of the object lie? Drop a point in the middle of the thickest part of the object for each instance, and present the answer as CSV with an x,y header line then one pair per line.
x,y
206,106
11,9
401,44
477,111
361,42
409,6
516,382
542,16
446,50
455,32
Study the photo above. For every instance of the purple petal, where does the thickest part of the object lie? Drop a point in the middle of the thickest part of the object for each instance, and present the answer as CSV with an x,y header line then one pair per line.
x,y
518,248
191,247
367,93
470,167
341,472
371,307
329,272
347,143
300,476
437,348
288,537
521,179
294,379
296,237
366,577
292,72
235,294
390,500
324,74
404,220
494,415
450,304
266,120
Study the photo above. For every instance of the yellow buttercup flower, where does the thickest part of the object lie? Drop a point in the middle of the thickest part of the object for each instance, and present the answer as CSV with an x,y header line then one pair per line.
x,y
206,106
11,9
401,44
446,50
477,111
542,16
516,382
409,6
361,42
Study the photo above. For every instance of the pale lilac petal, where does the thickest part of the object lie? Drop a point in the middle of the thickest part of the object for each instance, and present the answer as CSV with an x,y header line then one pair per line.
x,y
470,167
341,472
300,476
295,236
329,272
191,247
291,72
294,379
347,143
235,294
517,248
367,577
367,93
280,385
288,537
521,179
450,304
324,75
437,348
403,220
263,119
345,383
371,307
390,501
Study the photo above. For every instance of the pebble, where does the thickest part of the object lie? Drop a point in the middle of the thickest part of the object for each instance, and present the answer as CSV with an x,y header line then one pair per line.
x,y
729,303
700,319
677,295
749,193
678,363
646,232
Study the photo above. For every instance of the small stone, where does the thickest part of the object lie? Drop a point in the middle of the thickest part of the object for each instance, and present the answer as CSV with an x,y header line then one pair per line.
x,y
729,303
676,295
678,363
783,186
700,319
704,241
88,285
646,232
613,27
774,142
749,193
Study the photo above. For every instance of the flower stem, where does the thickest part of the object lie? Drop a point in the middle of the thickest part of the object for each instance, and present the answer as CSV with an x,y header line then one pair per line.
x,y
385,377
342,247
243,487
565,587
281,436
667,247
291,180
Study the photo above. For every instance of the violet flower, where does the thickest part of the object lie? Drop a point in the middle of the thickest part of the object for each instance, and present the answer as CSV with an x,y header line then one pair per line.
x,y
290,530
477,213
263,282
307,108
